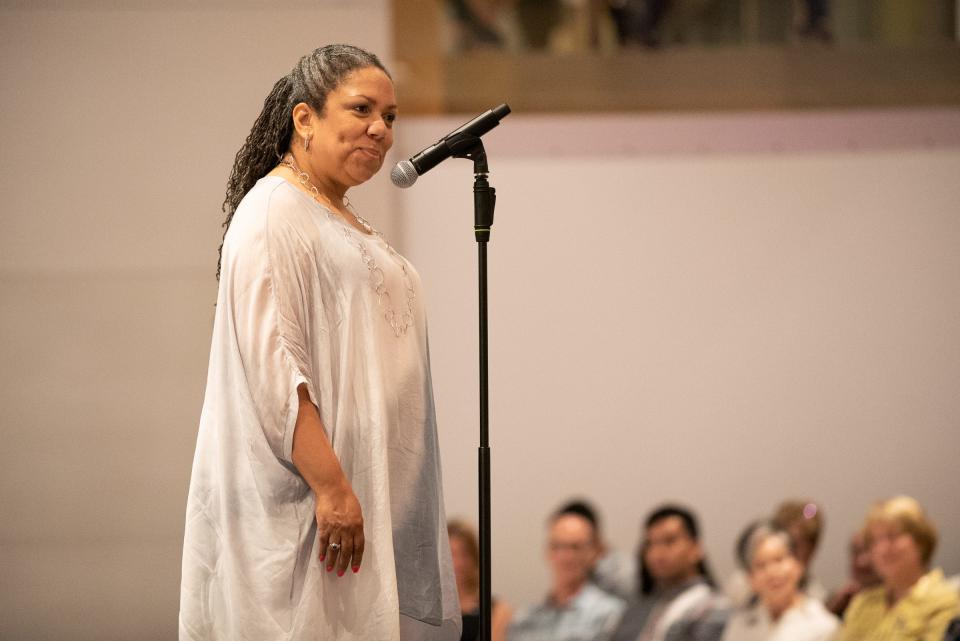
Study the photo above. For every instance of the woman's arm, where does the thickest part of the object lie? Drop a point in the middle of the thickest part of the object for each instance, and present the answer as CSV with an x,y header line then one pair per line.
x,y
339,517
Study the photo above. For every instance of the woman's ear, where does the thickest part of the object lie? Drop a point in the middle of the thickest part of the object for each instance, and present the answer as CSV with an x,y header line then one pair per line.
x,y
303,120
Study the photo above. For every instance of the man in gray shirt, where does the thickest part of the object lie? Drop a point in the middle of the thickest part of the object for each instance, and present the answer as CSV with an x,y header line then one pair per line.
x,y
575,609
677,600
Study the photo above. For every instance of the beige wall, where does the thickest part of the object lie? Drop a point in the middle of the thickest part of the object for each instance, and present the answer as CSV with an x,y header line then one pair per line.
x,y
707,322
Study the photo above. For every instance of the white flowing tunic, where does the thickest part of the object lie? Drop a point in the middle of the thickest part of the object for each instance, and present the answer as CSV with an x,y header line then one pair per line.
x,y
305,298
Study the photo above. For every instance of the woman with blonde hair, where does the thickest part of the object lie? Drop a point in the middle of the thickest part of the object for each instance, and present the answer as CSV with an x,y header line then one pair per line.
x,y
913,603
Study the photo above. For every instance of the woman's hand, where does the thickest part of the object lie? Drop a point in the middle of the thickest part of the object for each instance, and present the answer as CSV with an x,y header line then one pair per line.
x,y
339,529
339,517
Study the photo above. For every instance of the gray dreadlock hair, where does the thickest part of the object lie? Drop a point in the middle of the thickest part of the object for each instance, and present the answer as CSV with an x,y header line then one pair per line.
x,y
314,76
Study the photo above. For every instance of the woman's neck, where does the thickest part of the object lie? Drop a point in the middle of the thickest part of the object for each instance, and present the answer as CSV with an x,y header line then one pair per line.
x,y
776,610
330,190
469,597
899,586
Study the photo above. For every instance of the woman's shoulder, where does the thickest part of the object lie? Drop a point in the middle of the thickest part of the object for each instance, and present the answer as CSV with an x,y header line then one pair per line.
x,y
933,588
816,615
279,199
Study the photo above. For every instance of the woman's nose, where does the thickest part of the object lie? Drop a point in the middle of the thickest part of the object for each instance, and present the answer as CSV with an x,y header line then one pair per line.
x,y
377,128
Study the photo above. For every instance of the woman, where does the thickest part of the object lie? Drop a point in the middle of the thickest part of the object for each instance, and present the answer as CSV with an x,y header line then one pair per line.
x,y
782,611
315,508
913,603
466,567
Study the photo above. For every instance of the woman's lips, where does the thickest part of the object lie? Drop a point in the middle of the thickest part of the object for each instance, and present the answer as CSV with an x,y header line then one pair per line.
x,y
373,153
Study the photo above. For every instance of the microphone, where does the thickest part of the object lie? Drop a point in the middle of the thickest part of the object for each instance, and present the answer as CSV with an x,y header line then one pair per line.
x,y
406,172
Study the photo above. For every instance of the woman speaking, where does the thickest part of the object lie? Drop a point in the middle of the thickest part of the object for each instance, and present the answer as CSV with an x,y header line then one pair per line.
x,y
315,508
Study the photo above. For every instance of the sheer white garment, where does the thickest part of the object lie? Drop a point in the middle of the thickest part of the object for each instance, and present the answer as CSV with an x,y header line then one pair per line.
x,y
305,298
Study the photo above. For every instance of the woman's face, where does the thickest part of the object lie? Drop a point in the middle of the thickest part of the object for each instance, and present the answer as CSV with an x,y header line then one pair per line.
x,y
464,566
353,134
775,573
894,552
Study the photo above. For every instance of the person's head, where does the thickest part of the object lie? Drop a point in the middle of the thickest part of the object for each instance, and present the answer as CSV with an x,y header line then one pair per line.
x,y
572,549
465,551
901,539
742,548
861,567
581,507
670,551
803,519
774,569
334,111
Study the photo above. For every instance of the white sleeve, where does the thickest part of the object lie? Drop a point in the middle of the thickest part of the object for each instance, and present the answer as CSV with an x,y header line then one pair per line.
x,y
275,292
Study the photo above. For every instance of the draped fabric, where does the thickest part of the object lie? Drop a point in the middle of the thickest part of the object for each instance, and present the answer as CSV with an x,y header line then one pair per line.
x,y
305,298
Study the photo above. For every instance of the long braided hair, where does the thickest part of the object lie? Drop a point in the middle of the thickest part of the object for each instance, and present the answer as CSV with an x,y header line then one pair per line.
x,y
314,76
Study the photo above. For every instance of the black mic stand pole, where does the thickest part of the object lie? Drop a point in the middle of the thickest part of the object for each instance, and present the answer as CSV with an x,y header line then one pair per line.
x,y
484,200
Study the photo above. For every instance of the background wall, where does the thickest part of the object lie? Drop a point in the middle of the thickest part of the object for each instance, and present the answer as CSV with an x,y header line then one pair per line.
x,y
719,310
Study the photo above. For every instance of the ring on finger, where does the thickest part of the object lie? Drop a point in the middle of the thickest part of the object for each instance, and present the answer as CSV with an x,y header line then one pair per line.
x,y
335,547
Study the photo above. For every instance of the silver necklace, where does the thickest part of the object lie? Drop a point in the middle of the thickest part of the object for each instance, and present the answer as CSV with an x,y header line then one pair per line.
x,y
399,322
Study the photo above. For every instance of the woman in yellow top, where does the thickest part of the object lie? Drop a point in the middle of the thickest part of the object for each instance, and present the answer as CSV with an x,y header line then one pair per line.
x,y
913,603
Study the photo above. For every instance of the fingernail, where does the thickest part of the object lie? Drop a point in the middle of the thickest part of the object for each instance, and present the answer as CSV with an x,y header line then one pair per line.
x,y
322,557
339,572
356,569
329,567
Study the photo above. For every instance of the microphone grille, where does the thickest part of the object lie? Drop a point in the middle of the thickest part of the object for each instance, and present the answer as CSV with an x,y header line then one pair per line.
x,y
404,174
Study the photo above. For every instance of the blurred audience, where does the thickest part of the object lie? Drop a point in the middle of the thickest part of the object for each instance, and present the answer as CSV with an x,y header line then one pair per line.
x,y
638,22
953,631
803,519
862,576
737,586
575,609
913,602
466,566
615,572
677,600
476,23
782,611
814,25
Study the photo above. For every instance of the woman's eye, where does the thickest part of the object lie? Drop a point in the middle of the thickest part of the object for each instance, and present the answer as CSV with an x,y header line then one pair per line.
x,y
390,118
364,109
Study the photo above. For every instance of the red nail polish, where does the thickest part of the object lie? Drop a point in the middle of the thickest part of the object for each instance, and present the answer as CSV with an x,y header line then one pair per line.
x,y
356,569
339,572
329,568
322,557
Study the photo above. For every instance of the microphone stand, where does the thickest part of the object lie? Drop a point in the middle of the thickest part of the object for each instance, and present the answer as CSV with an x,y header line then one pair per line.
x,y
484,200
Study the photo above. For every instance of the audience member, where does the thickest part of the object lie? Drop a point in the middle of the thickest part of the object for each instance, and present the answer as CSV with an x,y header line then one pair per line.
x,y
913,603
476,23
803,519
466,566
638,22
677,600
782,611
575,609
815,25
953,631
862,576
737,587
615,572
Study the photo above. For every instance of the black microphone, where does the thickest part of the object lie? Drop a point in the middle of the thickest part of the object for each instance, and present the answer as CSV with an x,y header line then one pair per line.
x,y
406,172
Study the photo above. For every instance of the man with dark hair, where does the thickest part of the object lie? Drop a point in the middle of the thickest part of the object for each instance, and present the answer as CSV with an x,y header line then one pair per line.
x,y
614,571
677,601
575,609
